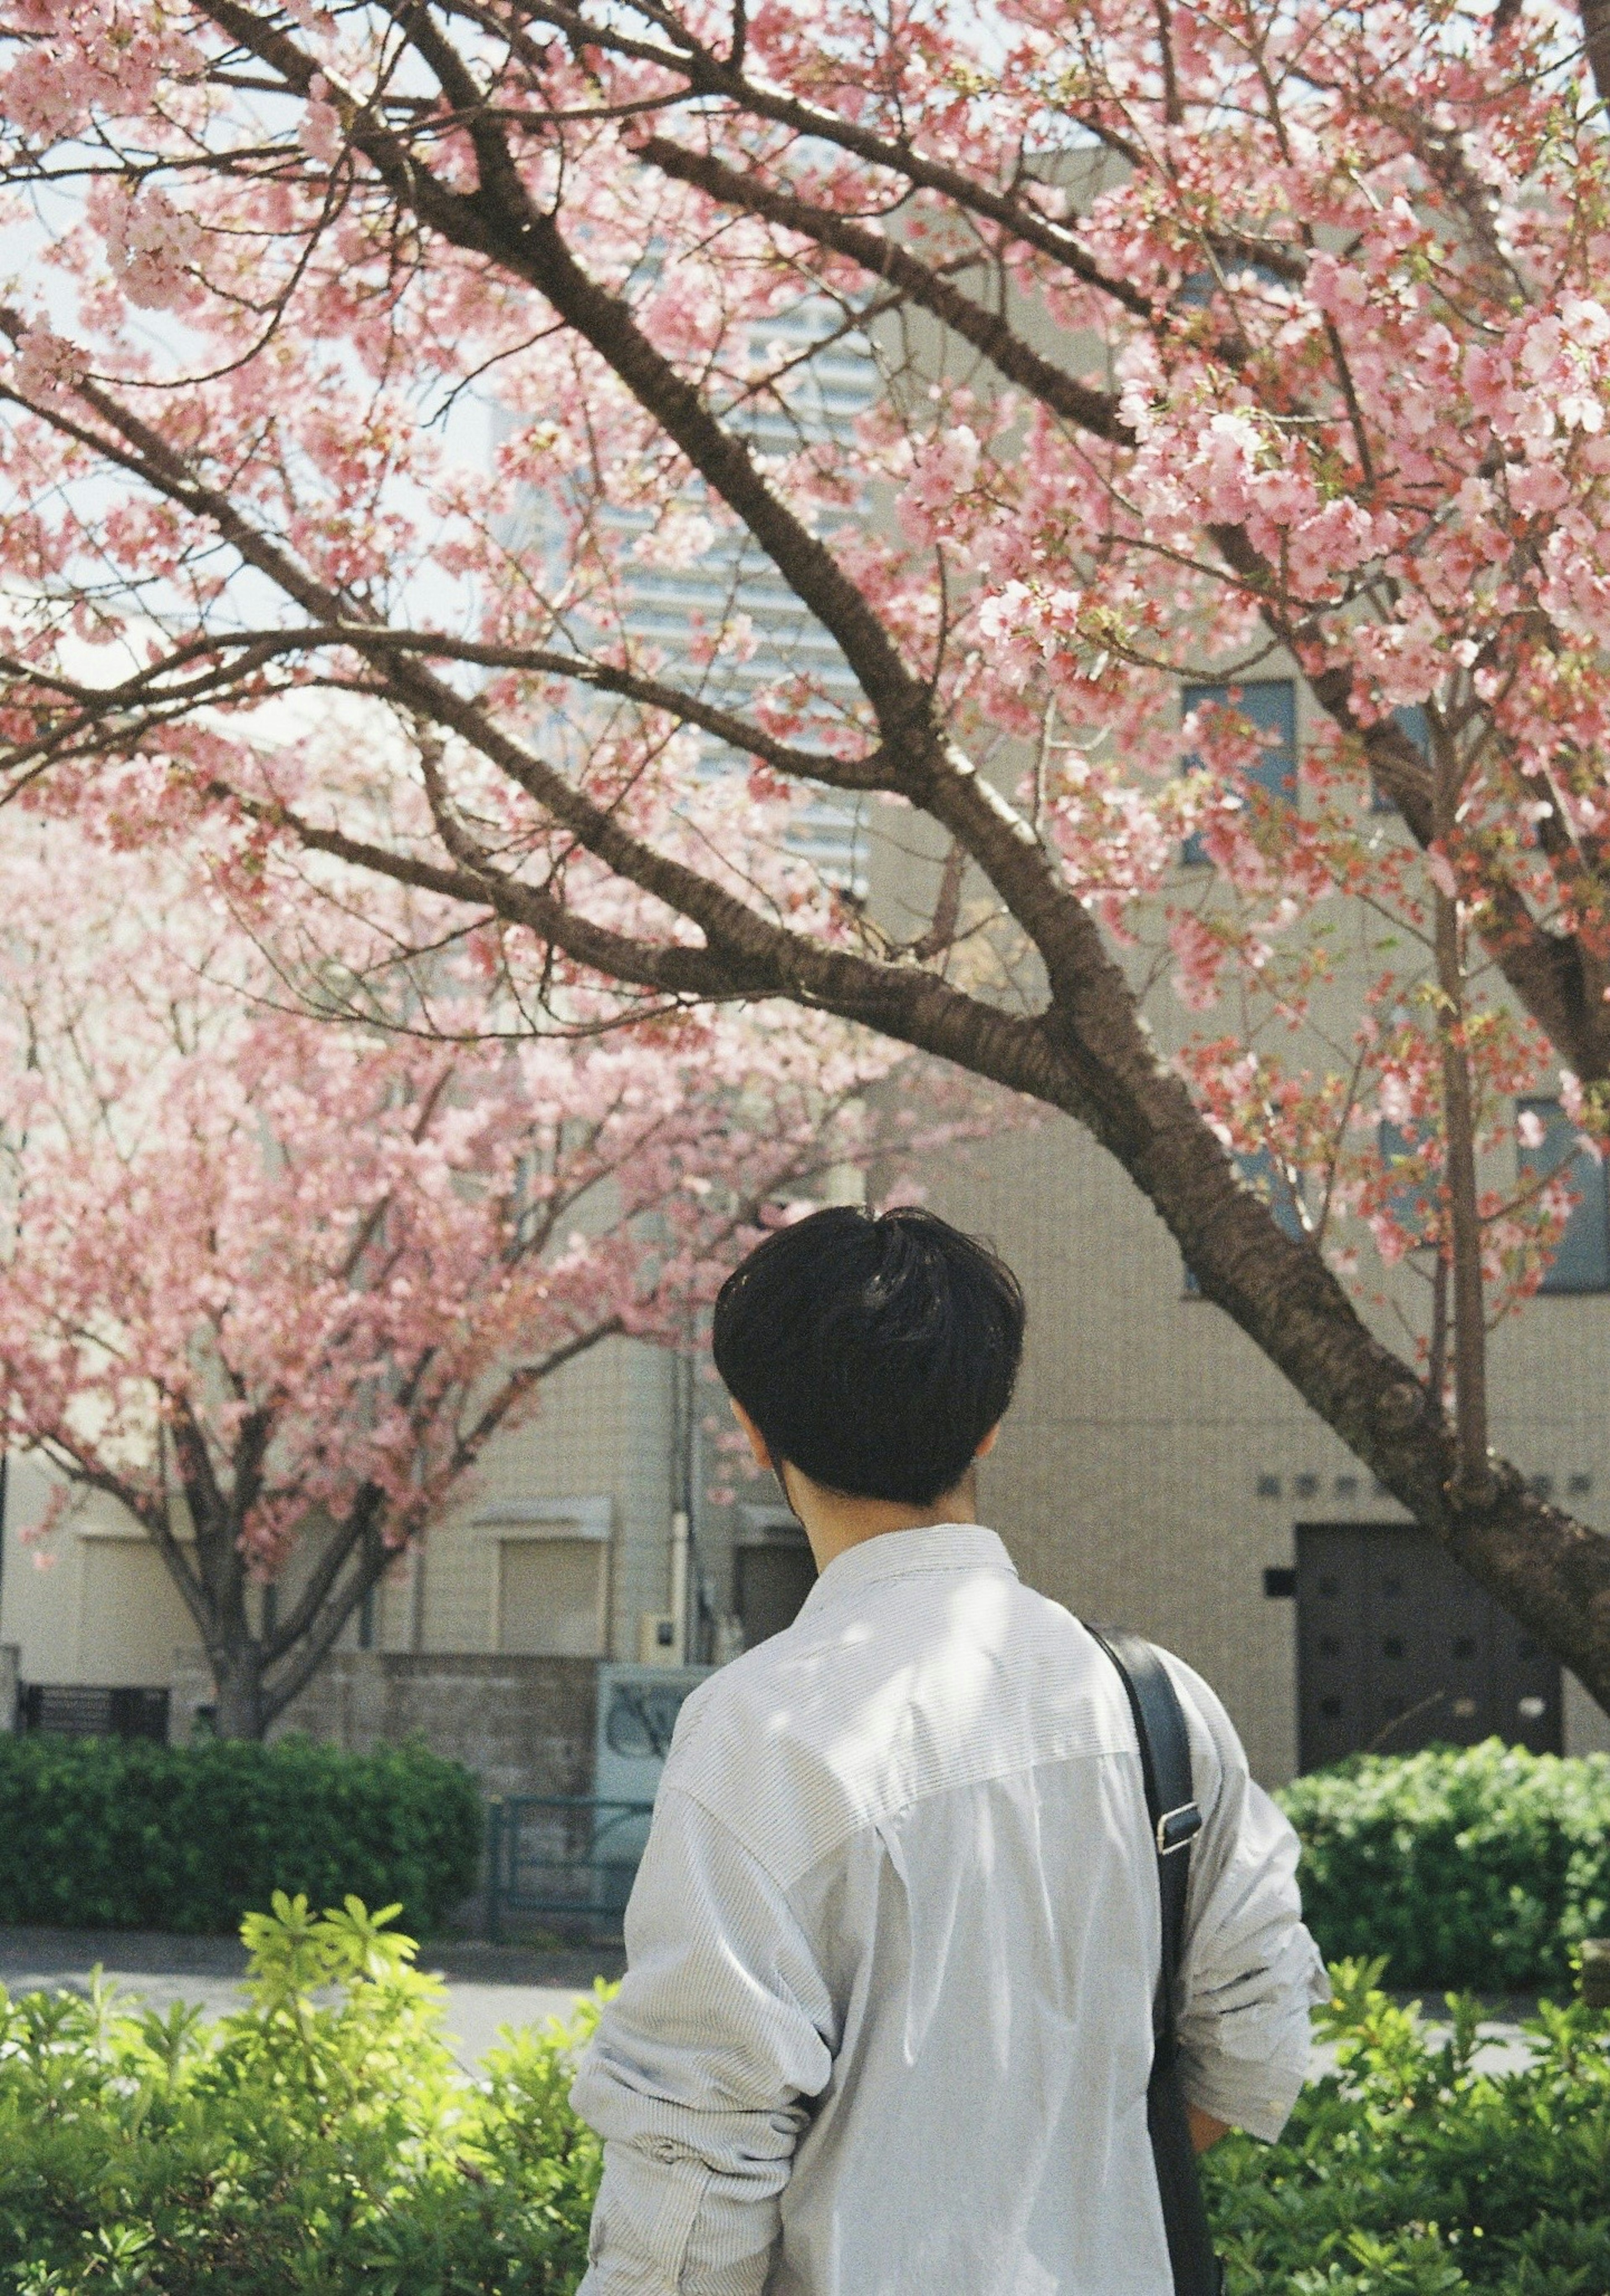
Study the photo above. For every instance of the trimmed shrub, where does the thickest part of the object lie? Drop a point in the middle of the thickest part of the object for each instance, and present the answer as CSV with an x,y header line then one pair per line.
x,y
1478,1867
1408,2173
322,2142
109,1833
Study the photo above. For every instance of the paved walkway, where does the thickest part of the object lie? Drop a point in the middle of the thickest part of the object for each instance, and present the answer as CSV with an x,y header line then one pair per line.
x,y
1502,2048
487,1986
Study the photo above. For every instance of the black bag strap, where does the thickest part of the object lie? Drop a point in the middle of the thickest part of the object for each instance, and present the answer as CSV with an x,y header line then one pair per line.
x,y
1170,1803
1175,1820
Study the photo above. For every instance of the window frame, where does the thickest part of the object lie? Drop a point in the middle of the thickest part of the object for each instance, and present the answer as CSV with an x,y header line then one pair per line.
x,y
1283,788
1587,1173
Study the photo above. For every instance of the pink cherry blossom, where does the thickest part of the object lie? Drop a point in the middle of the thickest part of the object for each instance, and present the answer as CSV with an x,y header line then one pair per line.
x,y
295,1275
771,512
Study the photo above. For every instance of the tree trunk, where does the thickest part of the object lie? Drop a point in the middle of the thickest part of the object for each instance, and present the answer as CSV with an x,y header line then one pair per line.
x,y
241,1709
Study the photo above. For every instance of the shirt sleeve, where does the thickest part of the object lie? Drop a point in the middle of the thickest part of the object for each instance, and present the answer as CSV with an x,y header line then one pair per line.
x,y
1250,1972
700,2075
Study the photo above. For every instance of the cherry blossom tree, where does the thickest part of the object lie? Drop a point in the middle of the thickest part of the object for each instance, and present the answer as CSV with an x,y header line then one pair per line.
x,y
1196,338
274,1282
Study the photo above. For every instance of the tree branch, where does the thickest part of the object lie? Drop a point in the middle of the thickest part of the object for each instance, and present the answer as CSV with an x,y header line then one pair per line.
x,y
326,1631
989,332
364,1519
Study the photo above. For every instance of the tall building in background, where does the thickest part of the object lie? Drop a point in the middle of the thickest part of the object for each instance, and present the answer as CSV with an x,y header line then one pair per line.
x,y
827,389
825,382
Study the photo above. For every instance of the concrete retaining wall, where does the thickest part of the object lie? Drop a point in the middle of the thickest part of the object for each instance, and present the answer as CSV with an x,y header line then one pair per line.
x,y
522,1725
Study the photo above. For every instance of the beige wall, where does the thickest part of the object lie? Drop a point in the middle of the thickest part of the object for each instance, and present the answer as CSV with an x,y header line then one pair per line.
x,y
1126,1480
94,1605
1126,1483
602,1440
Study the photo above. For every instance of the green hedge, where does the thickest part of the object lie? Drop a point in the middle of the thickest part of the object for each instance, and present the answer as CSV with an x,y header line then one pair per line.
x,y
323,2143
1478,1867
105,1834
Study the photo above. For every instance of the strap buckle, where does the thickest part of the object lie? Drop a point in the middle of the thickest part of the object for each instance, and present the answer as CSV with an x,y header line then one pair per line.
x,y
1177,1829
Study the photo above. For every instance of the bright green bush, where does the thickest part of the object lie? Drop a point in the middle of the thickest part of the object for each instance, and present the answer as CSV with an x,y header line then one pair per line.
x,y
321,2143
105,1834
1478,1867
1406,2173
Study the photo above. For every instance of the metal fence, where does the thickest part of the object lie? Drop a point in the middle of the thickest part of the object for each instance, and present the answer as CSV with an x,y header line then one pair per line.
x,y
566,1858
79,1710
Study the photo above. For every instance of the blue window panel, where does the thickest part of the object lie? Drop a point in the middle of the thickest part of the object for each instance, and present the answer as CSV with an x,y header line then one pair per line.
x,y
1271,704
1197,288
1412,720
1403,1203
1260,1170
1582,1259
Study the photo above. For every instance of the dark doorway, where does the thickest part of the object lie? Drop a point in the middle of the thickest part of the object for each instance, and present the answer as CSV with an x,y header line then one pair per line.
x,y
1397,1648
773,1574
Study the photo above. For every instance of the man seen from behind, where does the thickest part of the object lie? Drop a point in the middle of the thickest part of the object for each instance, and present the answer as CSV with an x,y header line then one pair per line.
x,y
886,2025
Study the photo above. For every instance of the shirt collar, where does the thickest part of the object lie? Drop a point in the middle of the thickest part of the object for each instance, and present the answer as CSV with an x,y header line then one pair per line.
x,y
910,1554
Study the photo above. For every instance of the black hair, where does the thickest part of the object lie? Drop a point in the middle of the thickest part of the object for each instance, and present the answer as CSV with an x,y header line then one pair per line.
x,y
873,1354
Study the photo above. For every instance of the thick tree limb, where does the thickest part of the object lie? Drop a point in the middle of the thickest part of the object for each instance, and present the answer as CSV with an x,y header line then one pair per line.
x,y
989,332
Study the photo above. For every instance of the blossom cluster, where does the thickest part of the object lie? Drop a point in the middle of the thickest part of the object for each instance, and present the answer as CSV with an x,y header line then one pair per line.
x,y
338,1256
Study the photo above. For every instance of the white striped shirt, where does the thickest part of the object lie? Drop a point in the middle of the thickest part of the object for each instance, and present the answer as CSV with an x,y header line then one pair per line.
x,y
885,2028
